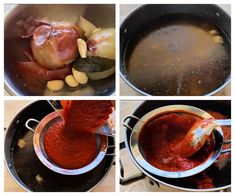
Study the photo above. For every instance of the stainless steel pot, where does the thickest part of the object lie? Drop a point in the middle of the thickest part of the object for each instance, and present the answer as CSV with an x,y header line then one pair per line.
x,y
103,15
39,133
23,164
135,146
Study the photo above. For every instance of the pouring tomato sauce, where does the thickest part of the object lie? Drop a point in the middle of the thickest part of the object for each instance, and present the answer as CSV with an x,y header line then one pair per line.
x,y
72,144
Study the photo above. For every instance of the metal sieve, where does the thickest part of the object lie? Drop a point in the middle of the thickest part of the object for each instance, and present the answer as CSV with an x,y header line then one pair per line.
x,y
136,148
39,133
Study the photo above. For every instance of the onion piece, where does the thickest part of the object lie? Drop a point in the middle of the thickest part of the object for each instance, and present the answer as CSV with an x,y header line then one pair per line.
x,y
102,43
86,26
34,70
55,46
29,55
30,24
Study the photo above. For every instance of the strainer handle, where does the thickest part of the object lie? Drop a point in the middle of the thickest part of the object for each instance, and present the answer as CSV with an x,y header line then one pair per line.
x,y
27,124
228,149
111,154
126,118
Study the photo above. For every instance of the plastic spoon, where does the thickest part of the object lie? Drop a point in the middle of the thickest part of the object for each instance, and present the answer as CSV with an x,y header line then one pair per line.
x,y
198,135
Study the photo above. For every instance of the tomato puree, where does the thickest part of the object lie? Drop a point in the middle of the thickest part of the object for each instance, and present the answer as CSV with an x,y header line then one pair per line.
x,y
72,144
203,180
85,116
160,141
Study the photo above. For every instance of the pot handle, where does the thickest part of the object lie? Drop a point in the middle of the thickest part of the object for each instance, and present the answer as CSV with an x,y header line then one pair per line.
x,y
31,120
226,150
128,180
126,118
113,153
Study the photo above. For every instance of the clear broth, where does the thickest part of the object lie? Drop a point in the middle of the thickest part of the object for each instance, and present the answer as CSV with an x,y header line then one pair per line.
x,y
176,55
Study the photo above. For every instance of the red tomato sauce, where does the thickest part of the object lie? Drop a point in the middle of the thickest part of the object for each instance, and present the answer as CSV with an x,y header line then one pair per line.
x,y
160,141
72,144
85,116
203,180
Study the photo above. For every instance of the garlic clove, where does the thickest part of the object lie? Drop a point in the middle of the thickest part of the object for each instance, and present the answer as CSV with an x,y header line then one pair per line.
x,y
81,77
55,85
70,81
82,47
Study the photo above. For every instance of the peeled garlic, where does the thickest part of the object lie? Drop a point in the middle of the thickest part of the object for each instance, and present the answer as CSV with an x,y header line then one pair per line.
x,y
21,143
81,77
39,179
82,48
55,85
218,39
70,80
213,32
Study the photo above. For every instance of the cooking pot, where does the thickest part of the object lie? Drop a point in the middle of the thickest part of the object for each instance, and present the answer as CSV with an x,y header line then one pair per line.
x,y
39,133
24,166
136,148
101,15
221,175
141,16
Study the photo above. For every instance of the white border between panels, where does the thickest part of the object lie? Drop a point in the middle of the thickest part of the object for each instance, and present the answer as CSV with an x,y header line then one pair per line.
x,y
116,96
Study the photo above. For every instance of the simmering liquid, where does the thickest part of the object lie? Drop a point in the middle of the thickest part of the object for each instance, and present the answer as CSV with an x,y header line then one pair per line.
x,y
178,55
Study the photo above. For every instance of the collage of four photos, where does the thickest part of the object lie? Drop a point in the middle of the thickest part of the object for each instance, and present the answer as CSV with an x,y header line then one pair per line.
x,y
117,97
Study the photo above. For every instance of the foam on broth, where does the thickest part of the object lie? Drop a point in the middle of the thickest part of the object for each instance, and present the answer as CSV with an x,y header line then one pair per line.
x,y
176,55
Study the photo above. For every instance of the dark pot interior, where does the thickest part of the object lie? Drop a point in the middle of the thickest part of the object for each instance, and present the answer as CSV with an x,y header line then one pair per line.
x,y
135,22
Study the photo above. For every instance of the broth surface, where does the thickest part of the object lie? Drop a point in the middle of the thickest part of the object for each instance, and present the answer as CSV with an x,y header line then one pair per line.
x,y
177,55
